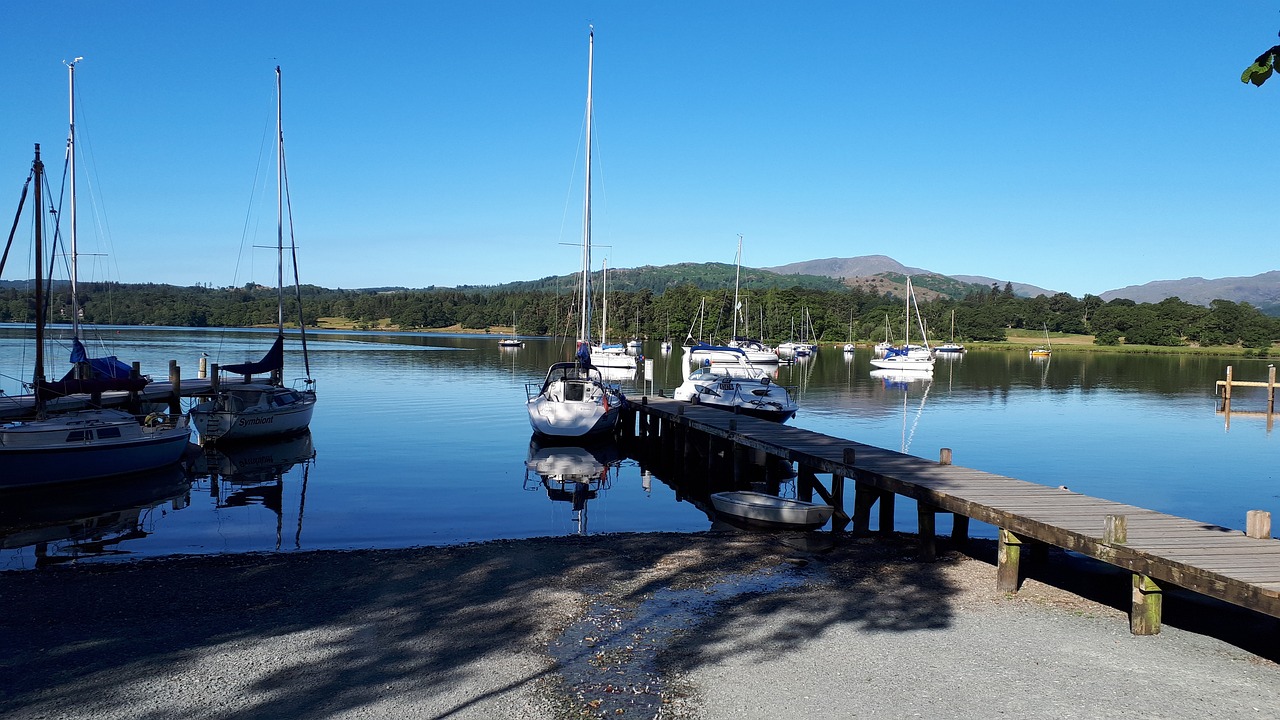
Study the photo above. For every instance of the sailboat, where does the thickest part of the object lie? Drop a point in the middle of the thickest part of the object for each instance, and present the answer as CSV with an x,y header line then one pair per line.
x,y
56,447
574,401
754,350
953,346
263,408
849,347
606,354
1043,350
513,341
908,357
881,348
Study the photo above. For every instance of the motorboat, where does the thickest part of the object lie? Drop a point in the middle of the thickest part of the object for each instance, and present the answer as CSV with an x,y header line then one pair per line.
x,y
737,386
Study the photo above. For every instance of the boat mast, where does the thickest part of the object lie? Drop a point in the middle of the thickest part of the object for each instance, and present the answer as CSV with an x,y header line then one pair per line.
x,y
906,341
71,170
37,377
584,325
278,373
604,302
737,275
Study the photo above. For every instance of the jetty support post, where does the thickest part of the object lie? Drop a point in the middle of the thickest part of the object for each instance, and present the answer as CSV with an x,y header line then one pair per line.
x,y
806,479
1271,390
1144,614
135,372
1008,555
175,381
926,517
959,521
865,495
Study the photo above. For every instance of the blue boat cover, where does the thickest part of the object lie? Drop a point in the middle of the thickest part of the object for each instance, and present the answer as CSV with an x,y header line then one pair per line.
x,y
273,360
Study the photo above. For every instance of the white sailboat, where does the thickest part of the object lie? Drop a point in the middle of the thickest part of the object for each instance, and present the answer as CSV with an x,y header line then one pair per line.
x,y
606,354
849,347
952,346
264,408
574,401
918,359
57,447
513,341
755,351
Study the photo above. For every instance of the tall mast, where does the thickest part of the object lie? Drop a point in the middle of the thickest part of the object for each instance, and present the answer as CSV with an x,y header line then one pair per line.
x,y
279,211
604,301
736,275
37,377
584,332
71,171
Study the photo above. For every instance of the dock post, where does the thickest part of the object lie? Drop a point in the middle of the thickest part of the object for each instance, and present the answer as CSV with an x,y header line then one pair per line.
x,y
1144,614
1258,524
1115,530
887,500
959,523
1271,389
175,381
202,370
1008,554
1226,389
926,515
135,372
805,480
214,382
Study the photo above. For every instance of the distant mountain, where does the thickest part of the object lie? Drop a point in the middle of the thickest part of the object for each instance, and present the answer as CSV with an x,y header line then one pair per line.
x,y
657,278
1262,291
866,267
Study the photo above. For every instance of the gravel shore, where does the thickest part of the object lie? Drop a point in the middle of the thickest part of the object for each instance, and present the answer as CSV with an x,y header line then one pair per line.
x,y
657,625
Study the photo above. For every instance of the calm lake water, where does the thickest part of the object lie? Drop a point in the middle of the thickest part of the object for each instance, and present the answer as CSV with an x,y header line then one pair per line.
x,y
423,440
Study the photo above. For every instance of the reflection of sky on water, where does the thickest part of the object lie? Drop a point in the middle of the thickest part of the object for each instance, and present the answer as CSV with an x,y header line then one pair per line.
x,y
423,439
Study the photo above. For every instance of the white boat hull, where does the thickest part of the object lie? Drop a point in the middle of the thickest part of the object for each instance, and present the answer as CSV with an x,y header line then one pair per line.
x,y
557,418
220,421
770,510
86,445
899,362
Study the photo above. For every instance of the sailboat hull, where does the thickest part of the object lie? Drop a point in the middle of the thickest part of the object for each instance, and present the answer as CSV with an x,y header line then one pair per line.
x,y
86,445
246,412
566,419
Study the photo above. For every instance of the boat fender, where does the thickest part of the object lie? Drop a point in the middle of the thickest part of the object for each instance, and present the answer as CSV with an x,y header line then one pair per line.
x,y
155,419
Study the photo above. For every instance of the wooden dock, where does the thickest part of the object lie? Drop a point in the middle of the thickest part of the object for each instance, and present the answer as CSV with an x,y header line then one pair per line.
x,y
168,392
1158,549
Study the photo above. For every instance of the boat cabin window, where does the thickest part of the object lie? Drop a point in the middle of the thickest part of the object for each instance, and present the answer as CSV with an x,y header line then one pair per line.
x,y
108,432
79,435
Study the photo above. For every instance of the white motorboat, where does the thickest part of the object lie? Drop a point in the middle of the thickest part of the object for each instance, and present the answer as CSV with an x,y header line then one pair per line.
x,y
737,386
574,401
58,447
756,508
265,408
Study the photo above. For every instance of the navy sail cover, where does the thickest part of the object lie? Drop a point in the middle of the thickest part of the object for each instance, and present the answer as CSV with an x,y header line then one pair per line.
x,y
273,360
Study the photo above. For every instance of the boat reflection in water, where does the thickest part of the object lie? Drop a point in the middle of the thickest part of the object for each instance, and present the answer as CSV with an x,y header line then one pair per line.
x,y
572,474
252,473
89,519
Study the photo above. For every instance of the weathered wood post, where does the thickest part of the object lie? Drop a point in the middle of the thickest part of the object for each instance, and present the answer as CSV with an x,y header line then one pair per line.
x,y
202,370
840,518
1271,389
805,480
1008,554
864,496
926,517
959,522
1226,389
1144,615
135,372
215,381
175,380
887,501
1258,524
1115,530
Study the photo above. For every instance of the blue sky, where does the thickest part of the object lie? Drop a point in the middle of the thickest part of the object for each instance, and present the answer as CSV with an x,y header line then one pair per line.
x,y
1080,147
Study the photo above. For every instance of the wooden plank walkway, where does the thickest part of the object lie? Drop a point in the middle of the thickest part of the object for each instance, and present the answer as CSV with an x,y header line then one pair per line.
x,y
15,406
1214,561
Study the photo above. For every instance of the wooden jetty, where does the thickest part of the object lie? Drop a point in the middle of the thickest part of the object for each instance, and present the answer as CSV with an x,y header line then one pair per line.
x,y
168,392
1225,388
1242,568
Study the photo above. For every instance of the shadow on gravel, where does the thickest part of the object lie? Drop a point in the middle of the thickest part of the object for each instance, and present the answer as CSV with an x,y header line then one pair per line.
x,y
437,630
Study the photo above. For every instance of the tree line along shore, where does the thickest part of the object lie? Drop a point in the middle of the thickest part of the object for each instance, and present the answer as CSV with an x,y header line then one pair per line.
x,y
982,316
